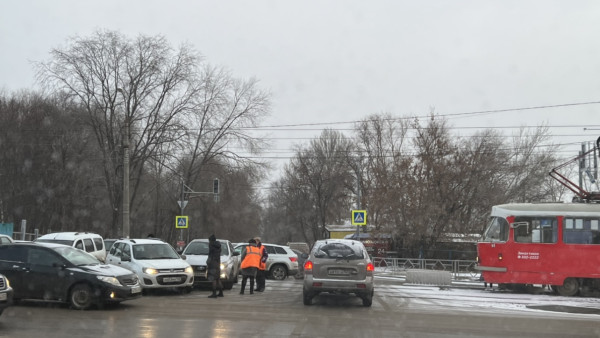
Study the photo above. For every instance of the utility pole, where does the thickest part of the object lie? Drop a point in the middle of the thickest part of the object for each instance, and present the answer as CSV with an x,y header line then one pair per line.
x,y
182,204
358,202
125,144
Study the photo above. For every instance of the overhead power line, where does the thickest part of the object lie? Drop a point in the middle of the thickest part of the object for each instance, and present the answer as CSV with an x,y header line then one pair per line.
x,y
482,112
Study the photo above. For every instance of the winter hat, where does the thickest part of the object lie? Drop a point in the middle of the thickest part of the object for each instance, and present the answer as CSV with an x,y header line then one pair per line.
x,y
212,238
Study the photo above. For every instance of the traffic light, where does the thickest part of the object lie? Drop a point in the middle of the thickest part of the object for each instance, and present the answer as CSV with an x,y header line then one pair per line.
x,y
216,186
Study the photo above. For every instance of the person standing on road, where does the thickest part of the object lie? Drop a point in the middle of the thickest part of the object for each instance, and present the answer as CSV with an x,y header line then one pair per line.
x,y
213,266
261,274
250,263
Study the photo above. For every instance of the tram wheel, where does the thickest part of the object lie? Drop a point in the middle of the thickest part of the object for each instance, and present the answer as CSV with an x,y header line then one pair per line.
x,y
569,288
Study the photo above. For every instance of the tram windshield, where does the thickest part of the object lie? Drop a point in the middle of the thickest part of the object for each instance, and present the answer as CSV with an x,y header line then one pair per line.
x,y
497,230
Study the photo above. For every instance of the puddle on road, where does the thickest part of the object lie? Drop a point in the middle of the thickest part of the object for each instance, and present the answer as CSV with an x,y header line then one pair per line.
x,y
564,308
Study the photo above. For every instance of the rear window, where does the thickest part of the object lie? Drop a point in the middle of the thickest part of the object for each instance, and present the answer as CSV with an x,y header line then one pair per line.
x,y
336,250
89,245
99,243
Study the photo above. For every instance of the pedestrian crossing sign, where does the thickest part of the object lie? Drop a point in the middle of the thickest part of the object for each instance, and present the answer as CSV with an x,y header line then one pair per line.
x,y
359,217
181,222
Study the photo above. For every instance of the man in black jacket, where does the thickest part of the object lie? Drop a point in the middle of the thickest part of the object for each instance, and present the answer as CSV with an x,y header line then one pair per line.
x,y
213,266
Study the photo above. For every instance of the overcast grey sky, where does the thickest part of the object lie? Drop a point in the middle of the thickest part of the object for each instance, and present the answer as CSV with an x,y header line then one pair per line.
x,y
339,61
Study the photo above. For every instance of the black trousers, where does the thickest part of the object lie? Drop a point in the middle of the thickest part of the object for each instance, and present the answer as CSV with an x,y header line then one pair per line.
x,y
261,278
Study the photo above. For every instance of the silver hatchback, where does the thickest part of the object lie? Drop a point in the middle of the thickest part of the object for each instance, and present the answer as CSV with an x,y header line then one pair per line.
x,y
338,266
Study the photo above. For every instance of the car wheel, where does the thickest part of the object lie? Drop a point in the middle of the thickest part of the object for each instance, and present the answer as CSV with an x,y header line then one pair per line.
x,y
279,272
81,297
307,297
367,299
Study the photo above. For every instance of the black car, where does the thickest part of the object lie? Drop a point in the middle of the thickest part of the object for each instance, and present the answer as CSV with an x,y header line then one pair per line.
x,y
6,293
55,272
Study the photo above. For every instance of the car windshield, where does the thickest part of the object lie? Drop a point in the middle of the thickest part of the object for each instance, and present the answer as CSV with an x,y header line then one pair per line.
x,y
201,248
76,256
196,248
154,251
338,250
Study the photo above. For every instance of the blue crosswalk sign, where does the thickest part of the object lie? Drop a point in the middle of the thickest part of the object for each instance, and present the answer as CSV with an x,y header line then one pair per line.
x,y
359,217
181,222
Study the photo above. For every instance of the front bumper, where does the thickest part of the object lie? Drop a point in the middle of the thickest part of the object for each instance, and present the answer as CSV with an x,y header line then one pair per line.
x,y
113,293
173,280
6,298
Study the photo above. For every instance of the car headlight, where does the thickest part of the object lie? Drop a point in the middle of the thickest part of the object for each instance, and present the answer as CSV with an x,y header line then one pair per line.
x,y
189,269
223,266
109,280
150,271
7,282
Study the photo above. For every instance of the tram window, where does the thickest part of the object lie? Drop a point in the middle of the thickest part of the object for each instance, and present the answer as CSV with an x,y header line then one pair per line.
x,y
497,230
581,231
536,230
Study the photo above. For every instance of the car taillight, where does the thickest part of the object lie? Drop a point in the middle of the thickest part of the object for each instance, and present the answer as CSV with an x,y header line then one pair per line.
x,y
293,259
308,266
370,267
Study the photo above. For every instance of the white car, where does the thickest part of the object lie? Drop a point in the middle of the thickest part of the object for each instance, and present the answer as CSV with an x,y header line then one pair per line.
x,y
196,253
89,242
282,261
155,262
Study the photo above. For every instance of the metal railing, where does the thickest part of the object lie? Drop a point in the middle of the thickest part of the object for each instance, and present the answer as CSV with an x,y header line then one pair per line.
x,y
460,269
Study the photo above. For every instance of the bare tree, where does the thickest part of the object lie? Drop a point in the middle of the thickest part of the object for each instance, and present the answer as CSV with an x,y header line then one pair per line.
x,y
321,173
133,91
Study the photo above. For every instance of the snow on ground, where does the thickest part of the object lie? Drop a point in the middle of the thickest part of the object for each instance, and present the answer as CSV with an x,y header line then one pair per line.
x,y
472,296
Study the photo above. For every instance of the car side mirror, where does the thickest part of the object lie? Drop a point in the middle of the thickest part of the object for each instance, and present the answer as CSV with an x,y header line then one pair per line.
x,y
235,253
304,256
125,258
182,256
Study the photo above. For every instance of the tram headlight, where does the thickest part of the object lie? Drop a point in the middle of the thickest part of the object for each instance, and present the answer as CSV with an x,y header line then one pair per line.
x,y
499,256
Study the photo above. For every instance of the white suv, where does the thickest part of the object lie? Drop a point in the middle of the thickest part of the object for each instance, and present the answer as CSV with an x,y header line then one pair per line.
x,y
155,262
282,261
86,241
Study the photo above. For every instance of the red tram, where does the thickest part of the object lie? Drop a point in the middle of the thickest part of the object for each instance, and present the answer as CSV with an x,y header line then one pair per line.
x,y
556,244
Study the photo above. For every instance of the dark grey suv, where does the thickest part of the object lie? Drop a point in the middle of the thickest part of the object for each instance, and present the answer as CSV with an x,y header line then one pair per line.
x,y
338,266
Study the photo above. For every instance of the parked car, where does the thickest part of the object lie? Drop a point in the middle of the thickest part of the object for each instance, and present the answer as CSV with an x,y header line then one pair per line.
x,y
282,261
108,244
338,266
6,293
56,272
6,239
86,241
301,260
196,253
155,262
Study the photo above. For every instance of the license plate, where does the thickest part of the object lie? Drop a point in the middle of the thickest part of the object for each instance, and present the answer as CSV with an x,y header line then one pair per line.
x,y
199,274
136,289
3,296
337,272
171,279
